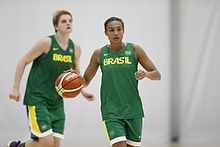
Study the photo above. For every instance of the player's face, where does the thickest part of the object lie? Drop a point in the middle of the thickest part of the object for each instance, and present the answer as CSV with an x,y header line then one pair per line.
x,y
114,31
65,24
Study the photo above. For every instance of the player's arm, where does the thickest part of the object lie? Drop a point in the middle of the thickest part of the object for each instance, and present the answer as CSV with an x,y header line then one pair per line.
x,y
92,67
151,71
85,94
77,57
41,47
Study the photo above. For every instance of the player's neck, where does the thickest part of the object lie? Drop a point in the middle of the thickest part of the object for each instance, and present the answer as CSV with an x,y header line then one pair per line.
x,y
117,47
62,40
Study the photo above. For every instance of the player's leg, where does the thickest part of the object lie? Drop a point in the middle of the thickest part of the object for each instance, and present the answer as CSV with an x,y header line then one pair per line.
x,y
115,130
56,120
40,126
40,122
120,144
47,141
129,145
47,127
58,123
134,132
57,142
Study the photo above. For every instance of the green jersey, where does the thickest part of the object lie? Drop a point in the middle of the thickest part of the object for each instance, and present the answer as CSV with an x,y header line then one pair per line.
x,y
119,89
44,71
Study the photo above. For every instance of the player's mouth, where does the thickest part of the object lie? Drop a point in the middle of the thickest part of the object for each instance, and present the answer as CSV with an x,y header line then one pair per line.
x,y
116,38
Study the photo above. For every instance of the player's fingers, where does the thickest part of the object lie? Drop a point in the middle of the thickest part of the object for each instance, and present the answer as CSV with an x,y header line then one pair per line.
x,y
139,75
13,97
17,99
69,70
90,98
10,96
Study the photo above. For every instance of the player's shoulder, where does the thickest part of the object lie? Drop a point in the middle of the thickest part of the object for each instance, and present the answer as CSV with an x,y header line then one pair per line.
x,y
43,44
136,46
77,47
45,41
97,51
77,50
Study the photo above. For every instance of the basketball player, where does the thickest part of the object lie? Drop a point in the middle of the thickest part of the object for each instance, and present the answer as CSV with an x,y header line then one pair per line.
x,y
121,105
51,56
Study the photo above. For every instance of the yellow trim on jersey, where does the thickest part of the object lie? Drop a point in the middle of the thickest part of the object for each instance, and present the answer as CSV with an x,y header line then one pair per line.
x,y
106,131
33,118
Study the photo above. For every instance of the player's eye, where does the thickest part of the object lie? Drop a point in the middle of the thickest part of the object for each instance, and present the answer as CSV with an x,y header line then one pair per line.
x,y
63,21
111,30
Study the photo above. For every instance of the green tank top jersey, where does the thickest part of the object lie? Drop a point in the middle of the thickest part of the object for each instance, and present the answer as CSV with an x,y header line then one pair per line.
x,y
119,89
44,71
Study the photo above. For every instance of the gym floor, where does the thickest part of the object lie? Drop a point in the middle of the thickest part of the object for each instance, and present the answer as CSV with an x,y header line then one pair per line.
x,y
144,145
153,145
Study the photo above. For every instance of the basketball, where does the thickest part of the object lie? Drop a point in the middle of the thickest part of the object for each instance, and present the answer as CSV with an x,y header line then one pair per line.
x,y
68,84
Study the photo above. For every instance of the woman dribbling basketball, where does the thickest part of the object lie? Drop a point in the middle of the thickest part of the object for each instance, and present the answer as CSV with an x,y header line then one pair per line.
x,y
51,56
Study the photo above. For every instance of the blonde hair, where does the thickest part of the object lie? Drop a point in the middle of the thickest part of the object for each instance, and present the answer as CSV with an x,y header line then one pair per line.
x,y
57,15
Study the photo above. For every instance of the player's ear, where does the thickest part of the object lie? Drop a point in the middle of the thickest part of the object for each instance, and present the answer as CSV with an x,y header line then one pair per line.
x,y
106,33
55,27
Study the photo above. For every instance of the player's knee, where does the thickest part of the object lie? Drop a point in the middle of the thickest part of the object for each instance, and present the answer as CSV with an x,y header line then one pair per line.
x,y
56,144
120,144
47,142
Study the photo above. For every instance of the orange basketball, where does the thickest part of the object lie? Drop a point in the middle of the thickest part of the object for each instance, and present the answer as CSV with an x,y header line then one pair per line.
x,y
68,84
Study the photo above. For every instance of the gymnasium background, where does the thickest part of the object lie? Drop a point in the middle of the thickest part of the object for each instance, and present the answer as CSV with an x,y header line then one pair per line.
x,y
180,36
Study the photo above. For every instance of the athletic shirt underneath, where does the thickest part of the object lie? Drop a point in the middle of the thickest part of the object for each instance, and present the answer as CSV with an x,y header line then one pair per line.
x,y
44,71
119,89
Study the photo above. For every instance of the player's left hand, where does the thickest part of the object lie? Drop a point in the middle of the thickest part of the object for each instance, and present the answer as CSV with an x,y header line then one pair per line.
x,y
88,96
71,70
140,74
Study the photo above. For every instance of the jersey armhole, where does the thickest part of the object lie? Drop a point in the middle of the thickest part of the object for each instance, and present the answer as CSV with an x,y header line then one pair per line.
x,y
134,50
44,55
74,54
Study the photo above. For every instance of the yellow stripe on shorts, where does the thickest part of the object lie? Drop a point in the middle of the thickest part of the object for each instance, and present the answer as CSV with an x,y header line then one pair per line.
x,y
34,124
142,121
106,131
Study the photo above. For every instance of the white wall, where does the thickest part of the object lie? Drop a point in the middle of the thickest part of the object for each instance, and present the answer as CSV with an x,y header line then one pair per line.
x,y
199,69
146,23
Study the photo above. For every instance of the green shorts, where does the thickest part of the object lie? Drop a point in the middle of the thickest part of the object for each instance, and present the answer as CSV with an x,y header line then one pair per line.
x,y
128,130
44,121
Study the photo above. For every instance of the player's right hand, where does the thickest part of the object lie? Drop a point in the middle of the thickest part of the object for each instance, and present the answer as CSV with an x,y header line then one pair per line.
x,y
140,74
68,70
88,96
14,94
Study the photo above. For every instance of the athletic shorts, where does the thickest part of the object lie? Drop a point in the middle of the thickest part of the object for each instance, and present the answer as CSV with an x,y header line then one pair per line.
x,y
44,121
129,130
